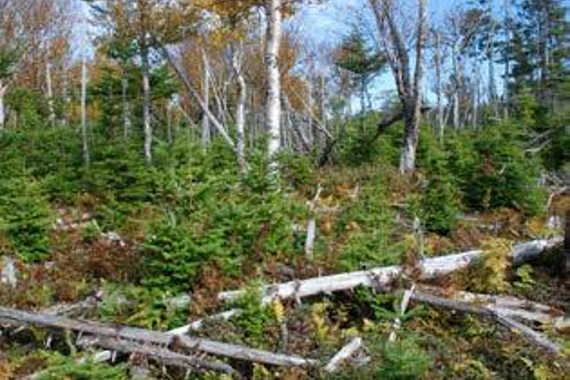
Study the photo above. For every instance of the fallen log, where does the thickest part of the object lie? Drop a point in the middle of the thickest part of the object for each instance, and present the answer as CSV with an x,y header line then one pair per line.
x,y
17,317
465,307
430,268
197,325
512,307
163,355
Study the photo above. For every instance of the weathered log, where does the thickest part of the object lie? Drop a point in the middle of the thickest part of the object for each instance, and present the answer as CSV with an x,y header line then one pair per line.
x,y
343,355
497,317
197,325
430,268
161,354
18,317
512,307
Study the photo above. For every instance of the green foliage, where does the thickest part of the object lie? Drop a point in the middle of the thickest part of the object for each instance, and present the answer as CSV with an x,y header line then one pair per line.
x,y
437,199
256,319
30,106
142,307
400,360
61,367
493,171
25,218
358,145
367,224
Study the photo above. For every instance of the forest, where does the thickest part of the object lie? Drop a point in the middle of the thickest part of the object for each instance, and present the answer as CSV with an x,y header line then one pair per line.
x,y
284,189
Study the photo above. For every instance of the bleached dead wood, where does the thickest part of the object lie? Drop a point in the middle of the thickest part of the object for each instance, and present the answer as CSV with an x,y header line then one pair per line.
x,y
312,225
17,317
197,325
403,307
430,268
512,307
343,355
8,272
465,307
164,355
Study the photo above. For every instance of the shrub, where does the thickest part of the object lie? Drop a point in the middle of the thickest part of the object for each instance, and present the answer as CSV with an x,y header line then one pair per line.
x,y
400,360
25,218
494,172
68,368
366,226
438,201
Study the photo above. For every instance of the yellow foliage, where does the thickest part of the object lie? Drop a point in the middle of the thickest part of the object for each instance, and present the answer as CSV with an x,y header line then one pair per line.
x,y
5,371
278,310
490,273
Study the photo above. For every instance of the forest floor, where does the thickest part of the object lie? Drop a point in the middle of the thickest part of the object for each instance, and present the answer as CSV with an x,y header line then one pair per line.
x,y
435,343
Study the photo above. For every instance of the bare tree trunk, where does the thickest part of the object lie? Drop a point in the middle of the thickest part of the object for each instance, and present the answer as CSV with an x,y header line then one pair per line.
x,y
127,124
414,105
240,112
506,95
456,88
66,98
146,106
206,132
439,84
49,86
3,89
84,139
273,110
491,63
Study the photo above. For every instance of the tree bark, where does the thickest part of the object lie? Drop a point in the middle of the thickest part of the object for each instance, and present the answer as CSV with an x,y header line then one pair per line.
x,y
51,107
148,135
240,112
439,85
84,137
273,106
206,132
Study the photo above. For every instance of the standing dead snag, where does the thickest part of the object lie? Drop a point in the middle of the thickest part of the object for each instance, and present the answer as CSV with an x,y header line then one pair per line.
x,y
312,225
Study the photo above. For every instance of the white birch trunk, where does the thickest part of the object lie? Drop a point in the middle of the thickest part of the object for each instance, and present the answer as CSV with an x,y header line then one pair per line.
x,y
84,140
51,107
206,132
273,110
240,113
146,105
457,80
439,84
